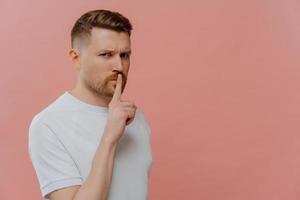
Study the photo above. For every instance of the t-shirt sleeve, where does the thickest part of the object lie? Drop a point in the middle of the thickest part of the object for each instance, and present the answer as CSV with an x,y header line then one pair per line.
x,y
54,167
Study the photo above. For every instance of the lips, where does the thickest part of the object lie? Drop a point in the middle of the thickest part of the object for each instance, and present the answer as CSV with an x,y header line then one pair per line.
x,y
114,78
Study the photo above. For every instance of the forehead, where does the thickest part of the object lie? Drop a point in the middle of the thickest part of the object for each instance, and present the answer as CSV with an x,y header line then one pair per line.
x,y
102,38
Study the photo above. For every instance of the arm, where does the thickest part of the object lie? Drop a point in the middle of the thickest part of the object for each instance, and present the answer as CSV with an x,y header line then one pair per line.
x,y
97,184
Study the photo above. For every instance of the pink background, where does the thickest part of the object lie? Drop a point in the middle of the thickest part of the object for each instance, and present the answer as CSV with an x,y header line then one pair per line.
x,y
218,80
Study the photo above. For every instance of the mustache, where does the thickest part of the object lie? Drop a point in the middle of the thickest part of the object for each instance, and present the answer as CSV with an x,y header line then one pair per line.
x,y
115,77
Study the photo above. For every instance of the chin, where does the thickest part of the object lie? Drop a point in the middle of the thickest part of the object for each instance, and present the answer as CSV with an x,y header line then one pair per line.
x,y
109,92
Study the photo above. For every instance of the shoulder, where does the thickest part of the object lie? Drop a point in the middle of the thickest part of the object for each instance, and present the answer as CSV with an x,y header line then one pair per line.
x,y
140,115
40,134
50,111
142,119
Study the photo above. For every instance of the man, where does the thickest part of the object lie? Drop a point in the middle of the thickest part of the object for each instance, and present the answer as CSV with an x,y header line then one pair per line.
x,y
89,144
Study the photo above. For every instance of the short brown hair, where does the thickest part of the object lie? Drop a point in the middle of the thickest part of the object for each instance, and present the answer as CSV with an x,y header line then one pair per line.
x,y
101,19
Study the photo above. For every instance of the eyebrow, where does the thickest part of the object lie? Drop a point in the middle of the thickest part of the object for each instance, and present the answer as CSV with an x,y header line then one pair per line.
x,y
111,50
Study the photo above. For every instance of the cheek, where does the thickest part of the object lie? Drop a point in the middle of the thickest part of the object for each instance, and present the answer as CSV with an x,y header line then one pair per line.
x,y
93,76
97,76
95,71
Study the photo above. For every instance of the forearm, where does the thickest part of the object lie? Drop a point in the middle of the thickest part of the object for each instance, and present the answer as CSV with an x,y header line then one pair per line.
x,y
97,184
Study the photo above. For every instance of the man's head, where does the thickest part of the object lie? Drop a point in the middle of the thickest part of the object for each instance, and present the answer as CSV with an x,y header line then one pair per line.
x,y
100,41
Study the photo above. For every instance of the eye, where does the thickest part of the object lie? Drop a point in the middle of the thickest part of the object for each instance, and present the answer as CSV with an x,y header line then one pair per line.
x,y
106,55
125,55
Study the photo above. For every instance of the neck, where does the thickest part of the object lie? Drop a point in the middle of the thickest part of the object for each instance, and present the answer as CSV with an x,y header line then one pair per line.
x,y
84,94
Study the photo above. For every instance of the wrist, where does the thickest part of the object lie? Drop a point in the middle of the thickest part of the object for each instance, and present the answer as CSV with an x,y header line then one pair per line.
x,y
108,141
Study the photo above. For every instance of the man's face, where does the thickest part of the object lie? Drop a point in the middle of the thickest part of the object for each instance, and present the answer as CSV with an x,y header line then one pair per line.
x,y
106,54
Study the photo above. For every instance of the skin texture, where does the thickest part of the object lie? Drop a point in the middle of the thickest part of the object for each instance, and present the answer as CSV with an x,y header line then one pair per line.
x,y
96,68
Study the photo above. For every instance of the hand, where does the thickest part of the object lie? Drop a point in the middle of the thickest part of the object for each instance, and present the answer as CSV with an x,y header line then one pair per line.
x,y
120,114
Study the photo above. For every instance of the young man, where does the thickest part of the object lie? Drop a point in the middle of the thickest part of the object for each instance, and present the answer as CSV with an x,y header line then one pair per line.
x,y
90,144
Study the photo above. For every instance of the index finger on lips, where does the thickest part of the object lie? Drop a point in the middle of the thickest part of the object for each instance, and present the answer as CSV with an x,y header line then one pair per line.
x,y
118,89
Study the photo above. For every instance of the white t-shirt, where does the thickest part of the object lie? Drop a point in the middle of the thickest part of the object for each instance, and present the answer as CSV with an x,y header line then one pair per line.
x,y
63,139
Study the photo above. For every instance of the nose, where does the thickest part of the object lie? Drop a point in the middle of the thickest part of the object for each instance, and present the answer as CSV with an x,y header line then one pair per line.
x,y
117,65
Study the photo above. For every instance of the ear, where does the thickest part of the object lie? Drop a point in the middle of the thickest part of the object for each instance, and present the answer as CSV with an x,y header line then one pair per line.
x,y
74,55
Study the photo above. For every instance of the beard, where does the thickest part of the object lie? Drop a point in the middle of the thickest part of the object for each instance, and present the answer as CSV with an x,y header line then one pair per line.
x,y
104,87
